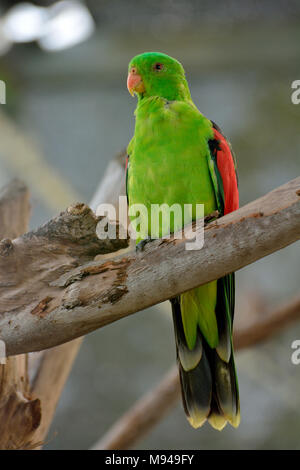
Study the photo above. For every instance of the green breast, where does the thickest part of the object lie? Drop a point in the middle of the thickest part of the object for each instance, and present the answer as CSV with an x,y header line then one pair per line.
x,y
168,160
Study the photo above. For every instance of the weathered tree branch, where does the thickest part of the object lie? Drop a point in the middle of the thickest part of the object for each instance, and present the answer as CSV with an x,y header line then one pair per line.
x,y
152,407
64,294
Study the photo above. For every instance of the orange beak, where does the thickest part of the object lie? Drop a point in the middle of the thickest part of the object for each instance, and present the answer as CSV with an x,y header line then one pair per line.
x,y
135,82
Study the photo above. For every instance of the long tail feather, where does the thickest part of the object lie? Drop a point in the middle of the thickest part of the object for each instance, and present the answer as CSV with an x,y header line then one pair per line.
x,y
207,375
194,371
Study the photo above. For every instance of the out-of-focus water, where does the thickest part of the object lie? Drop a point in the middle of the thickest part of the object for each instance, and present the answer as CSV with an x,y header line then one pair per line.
x,y
76,107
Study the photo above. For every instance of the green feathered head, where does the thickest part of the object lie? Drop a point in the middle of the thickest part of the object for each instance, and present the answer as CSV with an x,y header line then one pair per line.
x,y
157,74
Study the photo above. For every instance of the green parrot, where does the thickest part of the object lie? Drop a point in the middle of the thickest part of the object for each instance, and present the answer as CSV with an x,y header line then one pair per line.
x,y
178,156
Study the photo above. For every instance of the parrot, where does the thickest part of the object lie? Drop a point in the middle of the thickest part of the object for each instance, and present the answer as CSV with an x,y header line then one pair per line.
x,y
178,156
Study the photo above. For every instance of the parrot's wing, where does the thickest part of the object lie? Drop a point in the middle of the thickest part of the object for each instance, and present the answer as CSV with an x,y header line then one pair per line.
x,y
222,165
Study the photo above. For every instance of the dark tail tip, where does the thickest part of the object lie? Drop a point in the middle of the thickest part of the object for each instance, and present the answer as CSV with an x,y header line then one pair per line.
x,y
208,383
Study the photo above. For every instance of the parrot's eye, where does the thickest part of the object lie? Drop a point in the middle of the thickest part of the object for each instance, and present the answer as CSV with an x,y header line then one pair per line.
x,y
158,66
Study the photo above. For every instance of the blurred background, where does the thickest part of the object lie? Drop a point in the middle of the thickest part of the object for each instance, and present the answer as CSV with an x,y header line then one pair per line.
x,y
68,112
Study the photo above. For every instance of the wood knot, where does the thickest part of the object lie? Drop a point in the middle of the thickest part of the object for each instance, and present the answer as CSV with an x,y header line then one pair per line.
x,y
78,208
6,246
41,308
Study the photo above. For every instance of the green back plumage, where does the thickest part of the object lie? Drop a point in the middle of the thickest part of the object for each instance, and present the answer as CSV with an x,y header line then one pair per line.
x,y
169,146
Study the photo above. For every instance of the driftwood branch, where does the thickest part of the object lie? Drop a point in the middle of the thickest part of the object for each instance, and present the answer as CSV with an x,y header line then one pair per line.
x,y
151,408
51,291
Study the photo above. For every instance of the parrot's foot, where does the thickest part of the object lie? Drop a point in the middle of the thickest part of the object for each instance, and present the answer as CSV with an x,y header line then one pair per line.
x,y
212,216
141,245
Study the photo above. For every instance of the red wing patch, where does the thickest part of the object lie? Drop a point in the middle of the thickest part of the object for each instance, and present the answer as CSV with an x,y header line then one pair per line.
x,y
226,168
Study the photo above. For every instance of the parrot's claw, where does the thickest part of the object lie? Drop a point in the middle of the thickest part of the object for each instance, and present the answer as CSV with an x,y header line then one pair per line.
x,y
141,245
